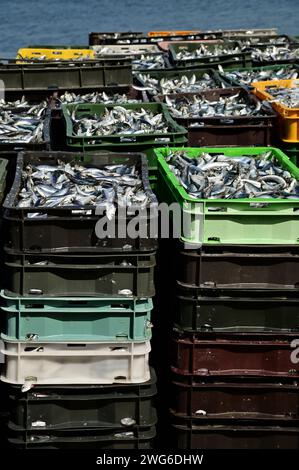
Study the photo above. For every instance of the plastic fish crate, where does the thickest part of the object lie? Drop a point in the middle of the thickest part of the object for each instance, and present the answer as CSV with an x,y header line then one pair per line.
x,y
171,74
232,221
234,355
235,437
75,319
236,83
238,266
124,38
288,117
98,75
75,407
214,399
65,230
232,309
75,363
242,59
98,38
231,130
55,52
248,33
123,141
60,275
256,63
81,440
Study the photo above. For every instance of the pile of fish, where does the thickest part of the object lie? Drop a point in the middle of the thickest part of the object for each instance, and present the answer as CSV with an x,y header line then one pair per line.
x,y
149,62
21,122
211,176
119,120
182,84
289,97
279,40
274,53
67,184
250,76
207,51
96,97
196,106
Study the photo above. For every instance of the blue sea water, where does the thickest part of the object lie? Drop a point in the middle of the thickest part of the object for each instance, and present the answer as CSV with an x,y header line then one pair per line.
x,y
24,22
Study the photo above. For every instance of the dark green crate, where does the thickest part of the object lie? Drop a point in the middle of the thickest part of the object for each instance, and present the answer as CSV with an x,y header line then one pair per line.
x,y
232,83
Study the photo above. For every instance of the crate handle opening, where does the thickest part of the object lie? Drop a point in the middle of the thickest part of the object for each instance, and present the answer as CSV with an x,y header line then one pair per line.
x,y
118,348
120,377
217,209
32,348
76,345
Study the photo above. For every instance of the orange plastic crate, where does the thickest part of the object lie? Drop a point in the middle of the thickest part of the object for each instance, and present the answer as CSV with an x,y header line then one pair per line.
x,y
288,118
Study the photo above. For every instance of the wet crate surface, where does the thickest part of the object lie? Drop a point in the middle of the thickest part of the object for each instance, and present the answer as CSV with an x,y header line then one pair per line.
x,y
231,221
76,319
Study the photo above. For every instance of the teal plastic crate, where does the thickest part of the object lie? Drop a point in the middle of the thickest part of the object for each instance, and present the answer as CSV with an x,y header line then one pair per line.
x,y
75,319
232,221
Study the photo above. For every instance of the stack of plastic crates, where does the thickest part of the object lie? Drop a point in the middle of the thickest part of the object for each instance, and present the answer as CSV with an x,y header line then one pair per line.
x,y
234,375
76,314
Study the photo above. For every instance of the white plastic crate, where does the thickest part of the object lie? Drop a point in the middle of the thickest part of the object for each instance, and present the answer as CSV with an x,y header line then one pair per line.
x,y
75,363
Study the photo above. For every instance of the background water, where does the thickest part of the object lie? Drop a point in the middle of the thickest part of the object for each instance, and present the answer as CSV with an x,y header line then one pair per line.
x,y
26,22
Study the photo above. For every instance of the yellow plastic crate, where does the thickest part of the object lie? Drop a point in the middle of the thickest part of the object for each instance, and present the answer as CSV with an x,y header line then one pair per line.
x,y
171,33
55,53
288,118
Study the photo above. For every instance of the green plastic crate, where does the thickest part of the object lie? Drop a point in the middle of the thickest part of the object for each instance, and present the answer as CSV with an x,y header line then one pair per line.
x,y
76,319
123,142
232,221
243,59
233,83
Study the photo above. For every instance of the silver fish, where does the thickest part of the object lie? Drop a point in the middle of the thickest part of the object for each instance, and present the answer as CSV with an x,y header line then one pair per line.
x,y
287,96
181,84
96,97
246,77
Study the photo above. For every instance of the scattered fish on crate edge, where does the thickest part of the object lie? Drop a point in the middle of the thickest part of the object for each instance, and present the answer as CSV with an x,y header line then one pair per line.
x,y
246,77
195,107
120,120
176,85
21,122
66,185
95,97
221,177
289,97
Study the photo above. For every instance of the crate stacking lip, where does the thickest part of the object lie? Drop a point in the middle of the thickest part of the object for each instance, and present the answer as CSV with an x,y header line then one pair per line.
x,y
70,229
75,363
222,310
231,130
121,141
188,435
238,266
85,439
72,274
288,117
242,58
105,319
230,82
89,406
242,354
97,74
55,53
227,399
251,221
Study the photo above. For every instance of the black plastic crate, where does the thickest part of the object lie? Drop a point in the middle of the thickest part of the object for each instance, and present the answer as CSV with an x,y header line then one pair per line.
x,y
231,130
70,229
76,407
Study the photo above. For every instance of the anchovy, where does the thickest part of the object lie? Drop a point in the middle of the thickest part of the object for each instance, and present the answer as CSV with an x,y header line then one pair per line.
x,y
274,53
120,120
105,187
96,97
197,106
182,84
247,77
287,96
215,176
